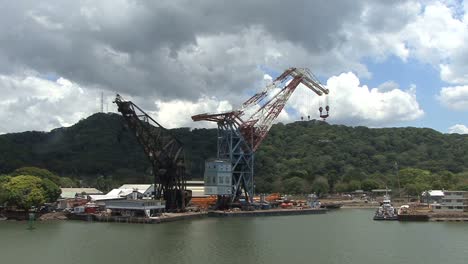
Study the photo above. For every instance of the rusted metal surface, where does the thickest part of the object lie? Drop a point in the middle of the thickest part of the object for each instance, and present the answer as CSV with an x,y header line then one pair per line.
x,y
164,151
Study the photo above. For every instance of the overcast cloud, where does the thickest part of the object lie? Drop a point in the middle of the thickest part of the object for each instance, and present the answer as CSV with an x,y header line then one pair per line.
x,y
178,58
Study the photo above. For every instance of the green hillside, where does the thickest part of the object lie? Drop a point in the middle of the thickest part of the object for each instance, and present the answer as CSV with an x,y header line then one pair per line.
x,y
295,157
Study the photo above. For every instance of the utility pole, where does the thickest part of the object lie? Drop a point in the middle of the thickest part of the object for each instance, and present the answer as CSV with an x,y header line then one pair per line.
x,y
102,102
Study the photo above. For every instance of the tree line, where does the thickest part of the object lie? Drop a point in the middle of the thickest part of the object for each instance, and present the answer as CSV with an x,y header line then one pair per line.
x,y
300,157
29,187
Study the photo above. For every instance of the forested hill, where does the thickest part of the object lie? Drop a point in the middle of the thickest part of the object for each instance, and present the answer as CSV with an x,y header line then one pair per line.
x,y
98,145
101,145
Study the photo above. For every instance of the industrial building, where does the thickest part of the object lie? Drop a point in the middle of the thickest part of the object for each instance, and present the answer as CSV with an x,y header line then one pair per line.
x,y
68,193
452,201
73,197
126,191
134,208
432,196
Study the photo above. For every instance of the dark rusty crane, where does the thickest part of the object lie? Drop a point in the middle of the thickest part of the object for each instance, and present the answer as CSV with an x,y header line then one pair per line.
x,y
165,153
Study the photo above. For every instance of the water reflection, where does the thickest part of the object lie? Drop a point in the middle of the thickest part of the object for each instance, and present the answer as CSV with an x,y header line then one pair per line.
x,y
345,236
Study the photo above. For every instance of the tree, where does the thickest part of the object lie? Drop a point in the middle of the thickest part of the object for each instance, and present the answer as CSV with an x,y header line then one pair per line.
x,y
25,191
295,185
3,195
38,172
320,186
416,188
4,178
413,175
51,190
354,185
104,184
66,182
341,187
369,184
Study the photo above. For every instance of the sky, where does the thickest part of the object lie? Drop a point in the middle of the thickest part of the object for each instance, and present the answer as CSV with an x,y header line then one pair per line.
x,y
386,63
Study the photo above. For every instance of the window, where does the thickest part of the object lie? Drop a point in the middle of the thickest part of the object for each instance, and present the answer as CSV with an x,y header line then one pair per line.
x,y
437,207
459,201
450,207
459,207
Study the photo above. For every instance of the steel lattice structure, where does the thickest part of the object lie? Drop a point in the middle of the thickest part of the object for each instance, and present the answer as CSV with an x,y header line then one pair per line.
x,y
165,153
241,131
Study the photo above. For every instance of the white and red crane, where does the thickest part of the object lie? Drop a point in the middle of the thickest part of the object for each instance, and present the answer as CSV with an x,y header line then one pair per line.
x,y
241,131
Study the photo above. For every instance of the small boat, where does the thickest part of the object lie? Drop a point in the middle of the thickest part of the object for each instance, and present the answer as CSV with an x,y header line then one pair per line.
x,y
2,217
386,211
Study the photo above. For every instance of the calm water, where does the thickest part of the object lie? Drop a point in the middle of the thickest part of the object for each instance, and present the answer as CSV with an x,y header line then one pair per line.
x,y
344,236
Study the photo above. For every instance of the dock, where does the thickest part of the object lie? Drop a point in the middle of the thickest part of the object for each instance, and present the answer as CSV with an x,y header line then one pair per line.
x,y
166,217
272,212
172,217
434,217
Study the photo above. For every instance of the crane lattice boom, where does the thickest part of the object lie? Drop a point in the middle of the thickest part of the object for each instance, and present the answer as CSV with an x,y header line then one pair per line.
x,y
255,126
164,151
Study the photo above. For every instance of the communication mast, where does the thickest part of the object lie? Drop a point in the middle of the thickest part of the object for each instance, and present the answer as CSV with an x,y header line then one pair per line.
x,y
102,102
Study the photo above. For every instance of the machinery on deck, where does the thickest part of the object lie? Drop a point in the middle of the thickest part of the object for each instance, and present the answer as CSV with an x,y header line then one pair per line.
x,y
241,131
164,151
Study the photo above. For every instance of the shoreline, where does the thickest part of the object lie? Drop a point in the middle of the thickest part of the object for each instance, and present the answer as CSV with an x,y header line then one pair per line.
x,y
171,217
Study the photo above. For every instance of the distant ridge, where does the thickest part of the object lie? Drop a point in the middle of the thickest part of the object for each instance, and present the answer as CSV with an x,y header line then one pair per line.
x,y
101,145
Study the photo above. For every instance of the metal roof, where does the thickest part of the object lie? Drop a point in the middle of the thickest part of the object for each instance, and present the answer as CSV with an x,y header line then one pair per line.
x,y
139,187
114,194
434,193
69,193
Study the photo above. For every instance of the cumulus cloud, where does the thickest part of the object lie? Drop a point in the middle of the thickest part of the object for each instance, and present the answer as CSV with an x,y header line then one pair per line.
x,y
458,129
204,53
355,104
143,47
455,97
177,113
33,103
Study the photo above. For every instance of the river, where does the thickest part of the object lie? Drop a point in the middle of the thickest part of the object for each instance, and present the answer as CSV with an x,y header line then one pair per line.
x,y
342,236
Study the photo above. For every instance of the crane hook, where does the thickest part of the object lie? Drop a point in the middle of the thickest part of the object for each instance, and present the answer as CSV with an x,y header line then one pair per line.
x,y
327,108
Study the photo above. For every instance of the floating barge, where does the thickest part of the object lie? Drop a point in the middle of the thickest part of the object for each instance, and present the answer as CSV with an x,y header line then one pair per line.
x,y
171,217
272,212
167,217
449,219
413,217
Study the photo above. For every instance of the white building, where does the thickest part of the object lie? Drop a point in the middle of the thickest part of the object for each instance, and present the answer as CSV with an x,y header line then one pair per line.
x,y
452,201
432,196
145,208
126,191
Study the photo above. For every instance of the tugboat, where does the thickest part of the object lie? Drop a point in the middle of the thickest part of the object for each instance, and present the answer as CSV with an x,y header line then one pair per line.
x,y
386,210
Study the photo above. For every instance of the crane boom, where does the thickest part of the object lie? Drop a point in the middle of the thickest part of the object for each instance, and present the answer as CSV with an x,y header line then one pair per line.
x,y
164,151
256,126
